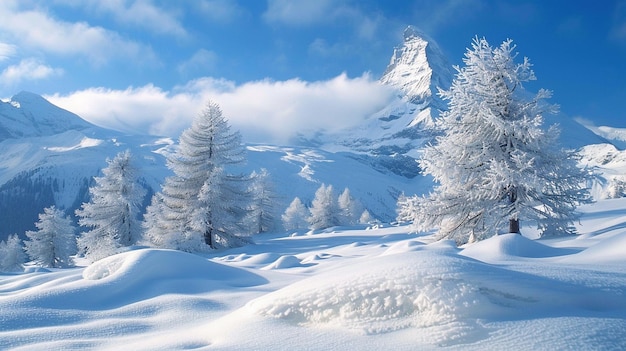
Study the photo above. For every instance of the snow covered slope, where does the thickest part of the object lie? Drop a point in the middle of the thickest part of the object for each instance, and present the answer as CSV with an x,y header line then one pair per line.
x,y
350,288
616,136
299,171
30,115
49,156
40,167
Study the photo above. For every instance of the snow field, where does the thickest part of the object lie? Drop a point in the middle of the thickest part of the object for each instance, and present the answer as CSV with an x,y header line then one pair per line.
x,y
342,288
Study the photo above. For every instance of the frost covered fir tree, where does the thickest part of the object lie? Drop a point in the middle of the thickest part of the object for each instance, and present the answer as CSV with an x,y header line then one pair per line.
x,y
114,210
12,254
202,205
296,215
616,188
494,163
349,208
366,217
262,211
54,241
325,211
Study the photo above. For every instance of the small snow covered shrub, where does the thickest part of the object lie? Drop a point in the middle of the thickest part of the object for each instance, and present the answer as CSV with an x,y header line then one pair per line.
x,y
12,254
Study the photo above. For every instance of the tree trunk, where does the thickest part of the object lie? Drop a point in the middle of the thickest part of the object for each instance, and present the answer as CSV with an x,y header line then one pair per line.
x,y
513,222
514,226
208,237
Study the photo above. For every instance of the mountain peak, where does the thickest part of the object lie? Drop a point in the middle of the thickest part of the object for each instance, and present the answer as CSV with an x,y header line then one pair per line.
x,y
417,68
29,114
411,32
28,97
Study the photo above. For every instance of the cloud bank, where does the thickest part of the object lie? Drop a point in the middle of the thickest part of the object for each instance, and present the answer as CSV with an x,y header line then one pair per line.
x,y
264,111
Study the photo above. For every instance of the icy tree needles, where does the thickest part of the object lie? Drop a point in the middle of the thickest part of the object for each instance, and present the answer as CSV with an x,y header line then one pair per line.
x,y
493,163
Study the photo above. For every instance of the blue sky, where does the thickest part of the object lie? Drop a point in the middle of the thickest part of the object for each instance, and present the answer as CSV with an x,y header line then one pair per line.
x,y
278,67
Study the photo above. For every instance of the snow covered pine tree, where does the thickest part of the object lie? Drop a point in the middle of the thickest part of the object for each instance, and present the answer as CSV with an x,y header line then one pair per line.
x,y
12,254
202,205
325,212
262,212
296,215
54,241
113,211
349,208
493,162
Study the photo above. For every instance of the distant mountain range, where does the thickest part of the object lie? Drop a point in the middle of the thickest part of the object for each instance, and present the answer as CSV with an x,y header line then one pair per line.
x,y
49,155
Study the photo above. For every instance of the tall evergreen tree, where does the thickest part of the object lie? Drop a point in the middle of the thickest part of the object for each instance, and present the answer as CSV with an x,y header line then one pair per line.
x,y
324,209
113,212
494,163
12,254
296,215
350,208
54,241
366,217
203,204
262,215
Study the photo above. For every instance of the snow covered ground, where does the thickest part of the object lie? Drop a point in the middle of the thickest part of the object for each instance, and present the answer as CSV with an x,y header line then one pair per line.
x,y
352,288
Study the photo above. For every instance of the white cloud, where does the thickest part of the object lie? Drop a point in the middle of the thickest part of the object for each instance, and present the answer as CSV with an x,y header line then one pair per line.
x,y
264,111
28,69
137,13
6,51
38,30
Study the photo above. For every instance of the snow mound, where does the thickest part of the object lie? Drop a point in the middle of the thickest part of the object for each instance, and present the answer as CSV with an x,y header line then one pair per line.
x,y
510,246
142,274
262,258
152,265
424,289
286,261
434,290
609,250
404,246
318,257
448,246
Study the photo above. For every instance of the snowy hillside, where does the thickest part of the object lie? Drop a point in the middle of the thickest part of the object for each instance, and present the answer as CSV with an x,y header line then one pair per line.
x,y
38,171
49,156
30,115
616,136
358,288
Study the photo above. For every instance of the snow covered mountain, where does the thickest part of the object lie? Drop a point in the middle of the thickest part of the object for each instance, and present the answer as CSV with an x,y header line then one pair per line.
x,y
30,115
389,138
49,155
417,69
